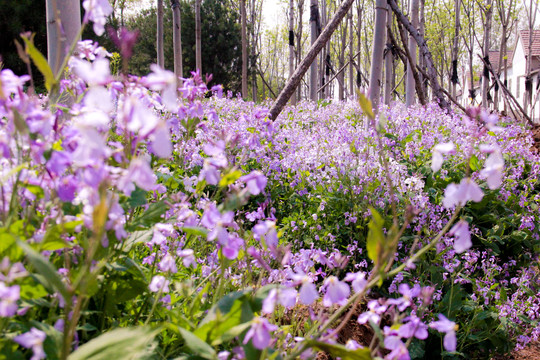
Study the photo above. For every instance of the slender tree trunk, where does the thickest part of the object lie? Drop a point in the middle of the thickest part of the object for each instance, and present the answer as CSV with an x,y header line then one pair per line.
x,y
455,49
322,57
177,38
198,58
388,63
487,33
314,11
533,8
244,50
159,39
410,83
379,41
291,45
351,54
421,60
341,76
299,42
293,82
63,26
360,10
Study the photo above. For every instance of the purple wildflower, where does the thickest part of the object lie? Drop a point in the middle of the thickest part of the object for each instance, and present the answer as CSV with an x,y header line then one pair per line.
x,y
32,340
449,328
259,333
8,299
159,283
337,292
460,194
462,236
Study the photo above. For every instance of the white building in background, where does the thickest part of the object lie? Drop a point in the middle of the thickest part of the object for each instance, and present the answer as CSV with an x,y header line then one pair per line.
x,y
517,70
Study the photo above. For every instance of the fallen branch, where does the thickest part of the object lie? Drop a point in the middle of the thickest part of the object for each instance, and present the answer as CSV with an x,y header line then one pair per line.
x,y
302,68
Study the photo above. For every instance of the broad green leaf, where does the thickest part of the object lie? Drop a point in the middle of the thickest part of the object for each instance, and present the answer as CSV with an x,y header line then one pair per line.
x,y
40,61
353,148
117,344
473,163
30,289
375,239
230,178
137,237
194,230
196,345
46,269
365,104
6,241
137,198
341,351
150,217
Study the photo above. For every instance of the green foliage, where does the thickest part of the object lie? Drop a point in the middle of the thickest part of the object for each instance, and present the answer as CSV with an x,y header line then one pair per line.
x,y
220,34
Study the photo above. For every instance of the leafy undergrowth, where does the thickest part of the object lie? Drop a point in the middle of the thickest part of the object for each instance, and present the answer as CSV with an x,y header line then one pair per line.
x,y
138,224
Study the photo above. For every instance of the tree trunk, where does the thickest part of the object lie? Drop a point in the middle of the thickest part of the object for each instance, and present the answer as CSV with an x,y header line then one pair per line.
x,y
341,76
177,38
291,46
299,42
487,33
244,50
63,26
379,37
314,11
360,10
455,49
351,54
410,82
388,63
159,38
198,58
293,82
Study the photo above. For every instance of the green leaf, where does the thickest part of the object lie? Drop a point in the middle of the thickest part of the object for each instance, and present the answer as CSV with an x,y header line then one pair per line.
x,y
230,178
40,61
353,148
46,269
150,216
6,241
194,230
196,345
117,344
473,163
341,351
375,239
30,289
137,198
365,104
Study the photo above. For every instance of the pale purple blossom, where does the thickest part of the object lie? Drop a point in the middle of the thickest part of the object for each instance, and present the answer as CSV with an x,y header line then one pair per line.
x,y
32,339
282,296
97,11
358,281
462,236
255,182
375,310
493,171
308,292
159,283
9,295
337,292
438,151
259,333
449,328
460,194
